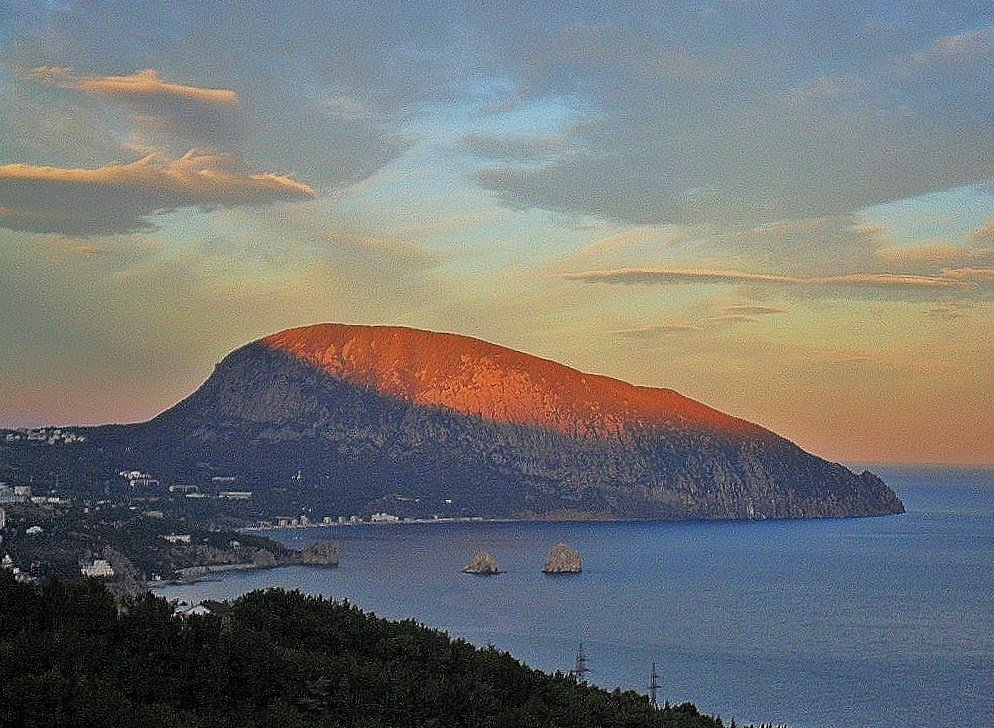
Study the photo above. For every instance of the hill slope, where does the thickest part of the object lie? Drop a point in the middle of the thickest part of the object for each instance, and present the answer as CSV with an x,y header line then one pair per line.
x,y
276,659
410,420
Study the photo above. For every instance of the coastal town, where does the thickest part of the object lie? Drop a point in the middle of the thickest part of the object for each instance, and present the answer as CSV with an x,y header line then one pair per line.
x,y
136,529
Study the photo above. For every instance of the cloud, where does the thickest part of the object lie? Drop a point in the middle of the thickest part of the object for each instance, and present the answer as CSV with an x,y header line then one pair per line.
x,y
515,146
656,330
948,312
957,49
119,198
382,250
733,318
732,315
748,310
204,114
933,256
716,122
949,278
982,236
971,275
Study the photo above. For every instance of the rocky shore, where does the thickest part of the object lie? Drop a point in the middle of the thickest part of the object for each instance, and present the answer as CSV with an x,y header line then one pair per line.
x,y
214,561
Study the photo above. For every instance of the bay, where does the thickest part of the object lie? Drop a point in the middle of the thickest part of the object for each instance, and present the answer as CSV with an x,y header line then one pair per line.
x,y
882,622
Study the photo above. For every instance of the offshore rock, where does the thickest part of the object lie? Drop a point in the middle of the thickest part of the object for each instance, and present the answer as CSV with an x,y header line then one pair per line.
x,y
322,553
483,564
563,559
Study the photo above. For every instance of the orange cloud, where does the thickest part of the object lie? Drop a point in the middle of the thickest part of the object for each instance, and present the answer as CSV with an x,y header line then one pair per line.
x,y
144,85
160,106
973,275
120,197
936,255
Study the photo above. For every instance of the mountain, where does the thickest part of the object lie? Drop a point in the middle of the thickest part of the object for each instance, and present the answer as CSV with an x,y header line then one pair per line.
x,y
419,423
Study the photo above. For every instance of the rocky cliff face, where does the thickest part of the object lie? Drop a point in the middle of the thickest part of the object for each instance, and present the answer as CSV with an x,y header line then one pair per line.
x,y
321,553
371,413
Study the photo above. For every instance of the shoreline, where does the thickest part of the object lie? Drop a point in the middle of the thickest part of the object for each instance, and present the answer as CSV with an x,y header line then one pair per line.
x,y
599,519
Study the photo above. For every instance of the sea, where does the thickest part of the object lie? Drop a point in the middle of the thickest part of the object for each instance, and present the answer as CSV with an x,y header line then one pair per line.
x,y
884,622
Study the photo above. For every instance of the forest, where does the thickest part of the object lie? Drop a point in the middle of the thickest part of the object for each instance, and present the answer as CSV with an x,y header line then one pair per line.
x,y
70,655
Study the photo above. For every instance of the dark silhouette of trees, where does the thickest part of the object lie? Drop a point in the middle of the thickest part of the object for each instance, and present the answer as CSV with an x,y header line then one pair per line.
x,y
70,656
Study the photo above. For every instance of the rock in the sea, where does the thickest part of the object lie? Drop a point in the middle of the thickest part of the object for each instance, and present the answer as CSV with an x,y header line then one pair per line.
x,y
322,553
483,563
563,559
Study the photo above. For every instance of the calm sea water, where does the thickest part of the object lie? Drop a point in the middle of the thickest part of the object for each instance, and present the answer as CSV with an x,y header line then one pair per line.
x,y
883,622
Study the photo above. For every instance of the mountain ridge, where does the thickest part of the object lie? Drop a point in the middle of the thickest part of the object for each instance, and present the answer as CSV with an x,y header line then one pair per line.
x,y
342,419
395,361
385,416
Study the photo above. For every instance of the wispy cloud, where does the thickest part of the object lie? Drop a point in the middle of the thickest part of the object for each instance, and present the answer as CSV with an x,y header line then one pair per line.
x,y
515,146
379,249
120,198
205,114
957,48
642,332
949,278
949,312
749,310
982,236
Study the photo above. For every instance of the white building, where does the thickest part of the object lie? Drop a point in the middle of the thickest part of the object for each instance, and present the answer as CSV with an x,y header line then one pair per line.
x,y
100,568
138,479
177,537
384,518
13,495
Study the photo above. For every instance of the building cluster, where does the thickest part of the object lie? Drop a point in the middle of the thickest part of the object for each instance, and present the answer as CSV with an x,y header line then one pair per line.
x,y
184,609
175,538
12,494
384,518
293,522
45,435
304,522
15,493
98,568
138,479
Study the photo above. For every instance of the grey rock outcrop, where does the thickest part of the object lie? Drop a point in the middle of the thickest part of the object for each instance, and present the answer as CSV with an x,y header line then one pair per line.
x,y
563,559
483,564
264,559
322,553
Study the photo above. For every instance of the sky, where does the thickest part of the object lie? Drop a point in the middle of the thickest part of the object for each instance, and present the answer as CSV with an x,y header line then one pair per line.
x,y
781,209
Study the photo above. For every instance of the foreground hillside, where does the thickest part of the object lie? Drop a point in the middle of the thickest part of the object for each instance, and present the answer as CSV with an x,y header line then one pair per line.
x,y
359,419
279,659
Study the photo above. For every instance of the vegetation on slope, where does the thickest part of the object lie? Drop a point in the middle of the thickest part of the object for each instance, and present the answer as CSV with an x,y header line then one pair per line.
x,y
70,657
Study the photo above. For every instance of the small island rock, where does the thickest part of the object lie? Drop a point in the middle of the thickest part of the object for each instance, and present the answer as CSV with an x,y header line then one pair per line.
x,y
563,559
321,553
483,563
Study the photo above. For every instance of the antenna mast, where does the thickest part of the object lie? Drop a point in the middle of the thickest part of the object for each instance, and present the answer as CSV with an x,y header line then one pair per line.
x,y
653,686
581,669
